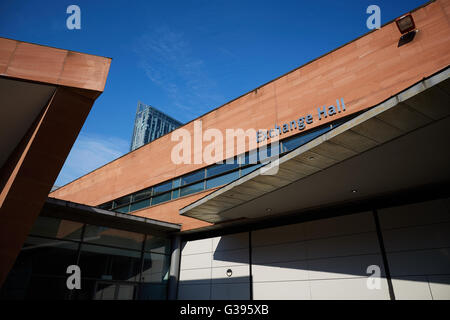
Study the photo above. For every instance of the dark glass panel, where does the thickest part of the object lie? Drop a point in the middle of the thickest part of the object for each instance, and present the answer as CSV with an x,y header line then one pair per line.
x,y
122,201
144,194
155,268
161,198
109,263
220,168
176,182
57,228
113,237
192,189
175,193
193,177
125,209
162,188
139,205
157,244
221,180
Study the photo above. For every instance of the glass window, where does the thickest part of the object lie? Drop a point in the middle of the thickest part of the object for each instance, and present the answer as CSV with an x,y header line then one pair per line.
x,y
192,189
155,268
175,193
123,200
142,194
124,209
176,182
46,257
57,228
157,244
220,168
193,177
162,187
113,237
139,205
247,170
161,198
221,180
106,206
296,142
109,263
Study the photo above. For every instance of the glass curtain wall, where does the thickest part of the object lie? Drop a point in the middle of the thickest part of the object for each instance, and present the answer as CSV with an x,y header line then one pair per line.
x,y
115,264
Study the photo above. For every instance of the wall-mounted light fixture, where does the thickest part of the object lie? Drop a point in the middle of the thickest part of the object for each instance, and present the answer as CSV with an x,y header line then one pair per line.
x,y
407,28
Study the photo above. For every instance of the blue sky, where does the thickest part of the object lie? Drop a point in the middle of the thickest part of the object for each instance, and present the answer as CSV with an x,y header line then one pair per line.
x,y
184,57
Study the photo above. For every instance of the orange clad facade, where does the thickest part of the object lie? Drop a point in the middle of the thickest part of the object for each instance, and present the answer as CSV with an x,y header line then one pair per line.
x,y
364,73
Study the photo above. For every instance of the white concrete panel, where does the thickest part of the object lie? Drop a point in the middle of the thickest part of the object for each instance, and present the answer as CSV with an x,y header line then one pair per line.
x,y
197,246
283,271
440,287
411,288
292,290
230,258
231,242
238,291
347,289
239,274
196,261
349,224
435,211
419,237
366,243
343,267
277,253
194,292
284,234
423,262
195,276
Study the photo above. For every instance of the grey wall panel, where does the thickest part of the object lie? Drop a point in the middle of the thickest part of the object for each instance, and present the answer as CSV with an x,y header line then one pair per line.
x,y
411,288
429,212
281,271
347,289
344,225
281,252
420,262
417,241
196,261
343,267
236,291
282,290
329,260
440,287
204,265
194,292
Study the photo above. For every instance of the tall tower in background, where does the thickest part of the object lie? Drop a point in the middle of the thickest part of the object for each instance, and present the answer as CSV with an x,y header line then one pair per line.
x,y
150,124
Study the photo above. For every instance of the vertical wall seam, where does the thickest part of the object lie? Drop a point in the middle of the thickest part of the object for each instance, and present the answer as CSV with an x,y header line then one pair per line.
x,y
383,254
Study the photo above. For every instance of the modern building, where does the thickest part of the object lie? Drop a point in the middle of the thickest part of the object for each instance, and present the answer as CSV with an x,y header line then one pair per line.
x,y
354,204
150,124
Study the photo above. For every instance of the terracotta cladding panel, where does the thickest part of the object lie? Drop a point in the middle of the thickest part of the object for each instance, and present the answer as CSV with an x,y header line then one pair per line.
x,y
84,71
7,48
36,63
364,73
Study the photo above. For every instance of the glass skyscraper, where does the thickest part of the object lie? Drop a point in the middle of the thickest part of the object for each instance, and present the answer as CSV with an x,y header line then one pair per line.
x,y
150,124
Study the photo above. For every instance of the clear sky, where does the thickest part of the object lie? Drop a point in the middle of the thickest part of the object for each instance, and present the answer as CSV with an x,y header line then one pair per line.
x,y
184,57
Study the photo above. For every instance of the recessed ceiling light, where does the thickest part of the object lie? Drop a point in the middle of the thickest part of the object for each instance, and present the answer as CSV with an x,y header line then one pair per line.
x,y
269,210
354,191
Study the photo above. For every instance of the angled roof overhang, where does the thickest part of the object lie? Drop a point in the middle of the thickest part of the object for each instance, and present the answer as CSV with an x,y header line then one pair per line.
x,y
400,143
91,215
